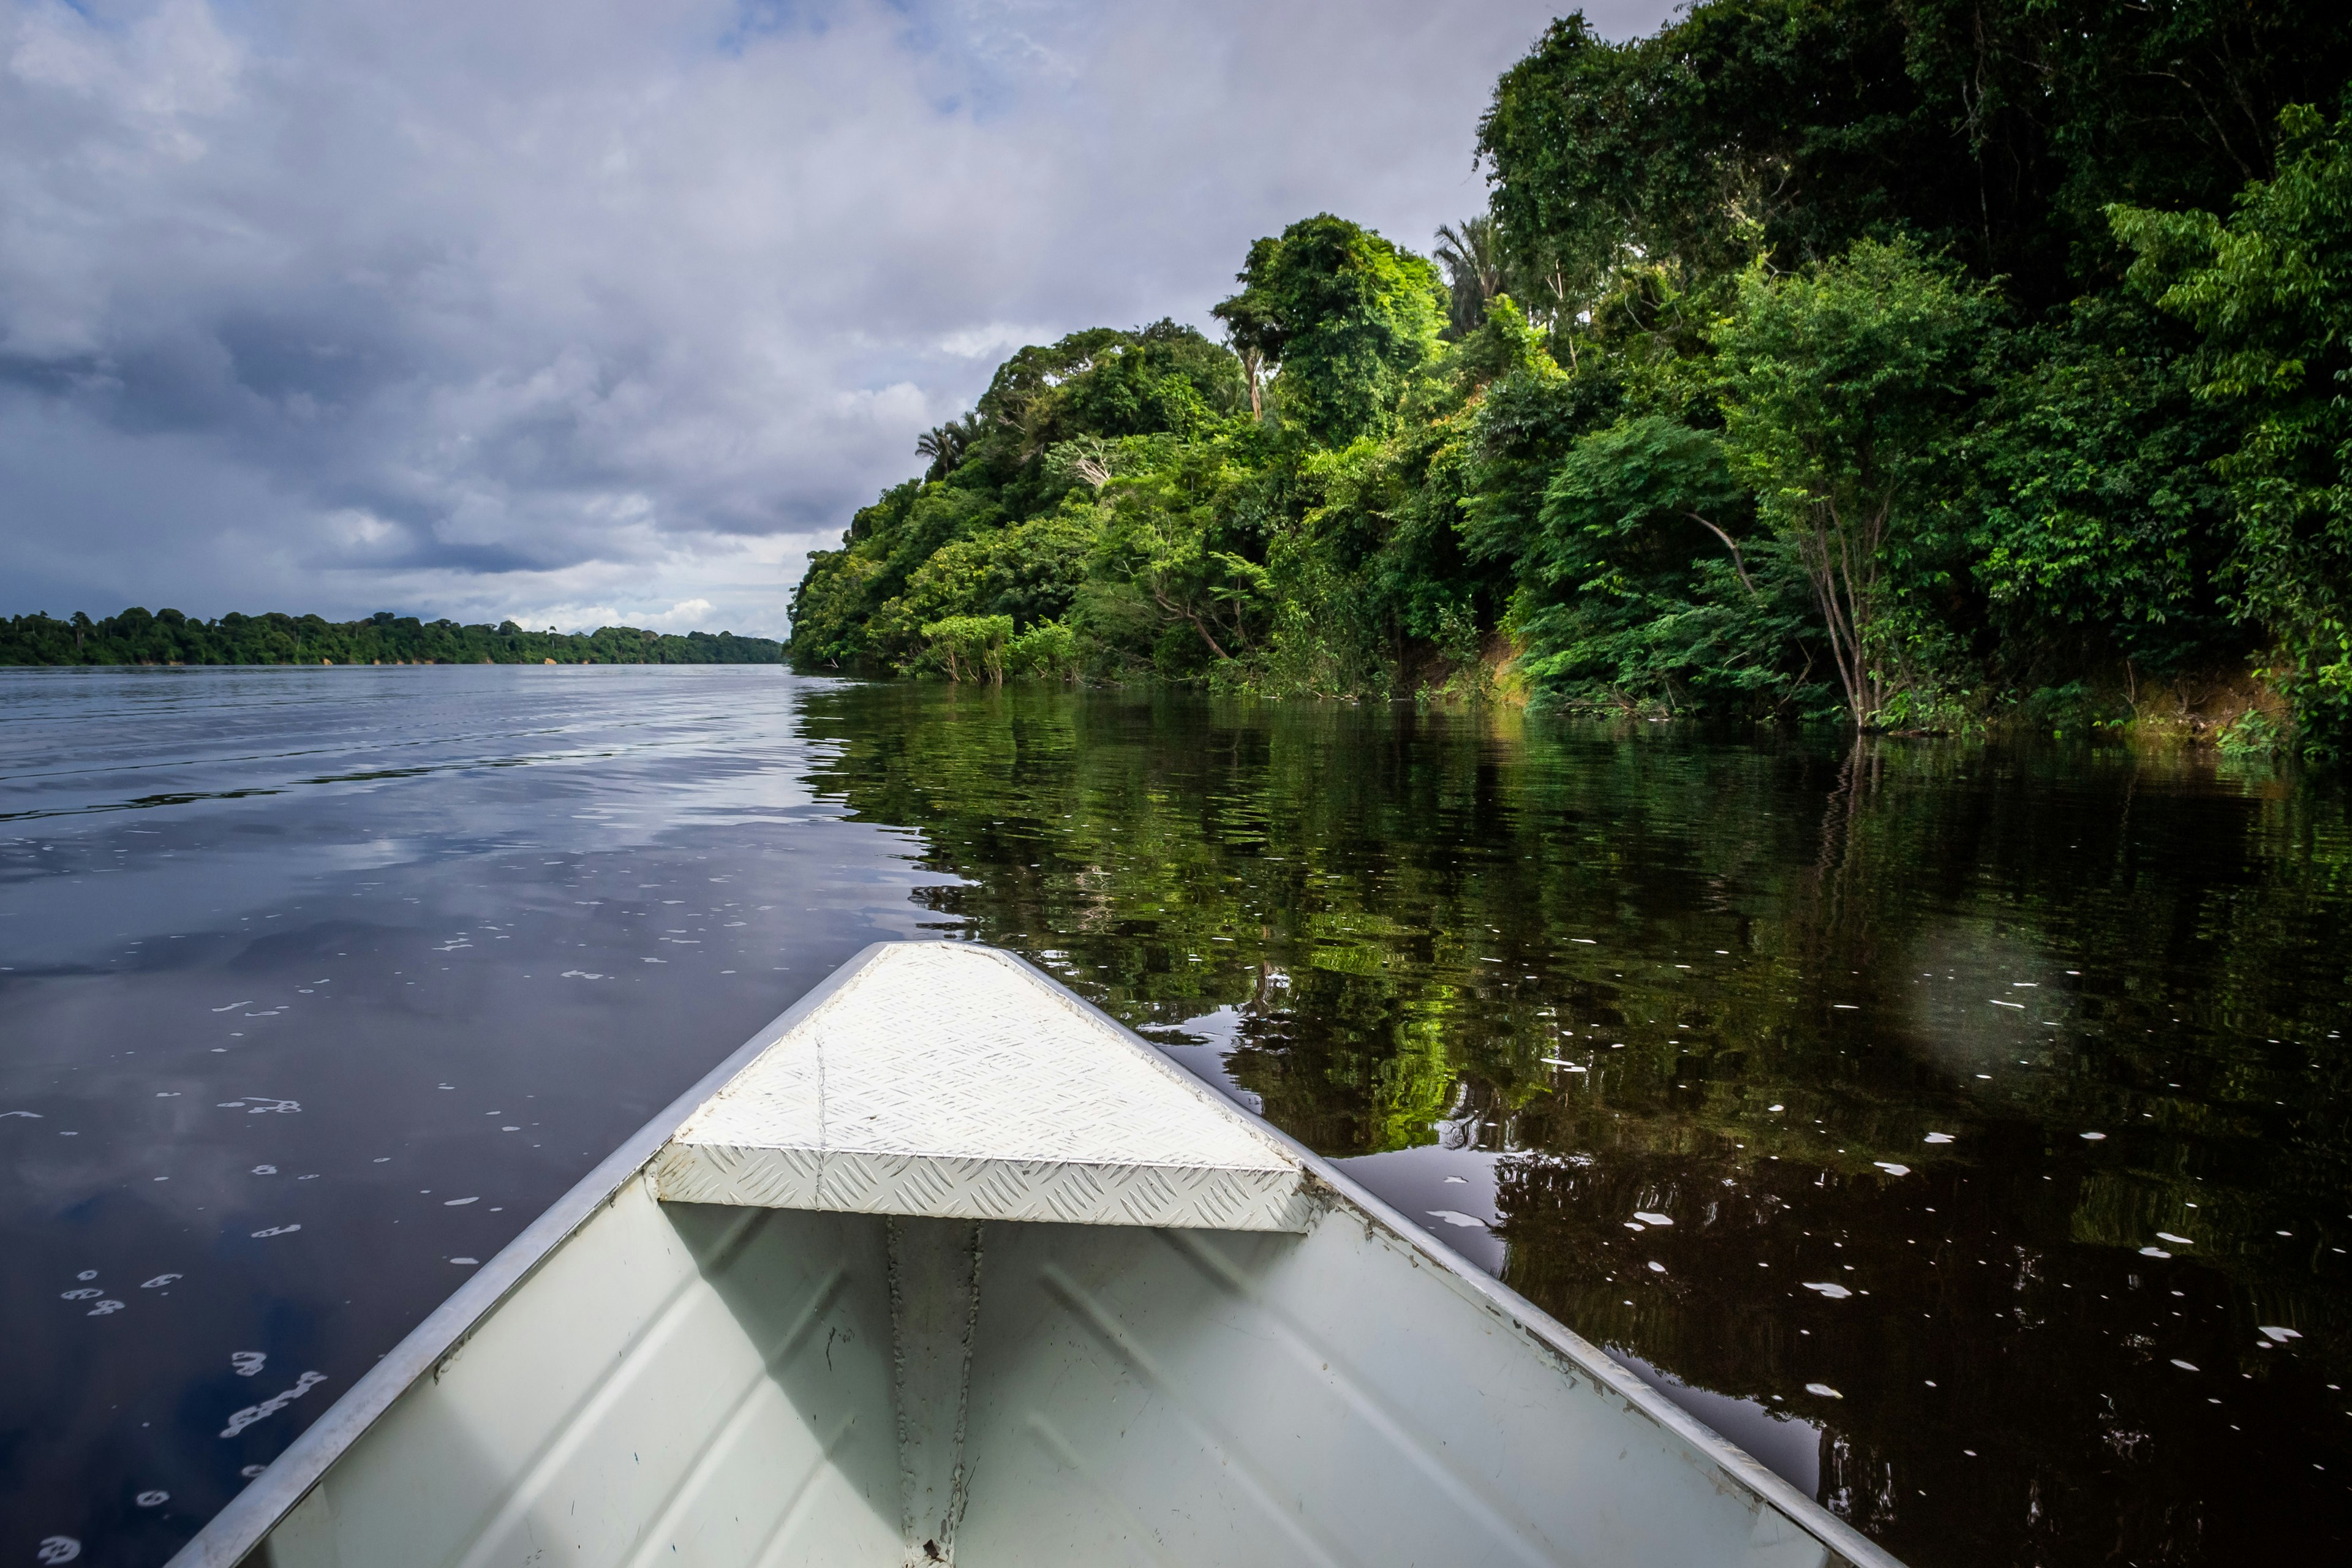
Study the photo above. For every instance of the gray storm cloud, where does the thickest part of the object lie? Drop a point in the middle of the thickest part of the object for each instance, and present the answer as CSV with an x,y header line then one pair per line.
x,y
591,312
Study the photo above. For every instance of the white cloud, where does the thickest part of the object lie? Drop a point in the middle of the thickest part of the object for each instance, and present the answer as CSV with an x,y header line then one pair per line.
x,y
452,307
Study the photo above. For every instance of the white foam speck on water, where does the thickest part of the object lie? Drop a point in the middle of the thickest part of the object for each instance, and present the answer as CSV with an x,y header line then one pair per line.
x,y
2154,1252
57,1549
104,1309
1891,1168
1999,1003
235,1006
1656,1266
252,1470
1452,1179
2176,1240
1453,1217
273,1404
1940,1136
1635,1225
276,1230
263,1105
32,1115
1555,1061
246,1363
87,1274
152,1499
2184,1365
459,1202
1824,1390
265,1170
87,1293
158,1282
1834,1292
1646,1217
472,1262
2278,1336
1585,939
2093,1137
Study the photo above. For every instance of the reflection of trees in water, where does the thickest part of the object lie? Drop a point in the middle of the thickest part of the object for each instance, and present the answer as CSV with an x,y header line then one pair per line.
x,y
2051,1360
1391,904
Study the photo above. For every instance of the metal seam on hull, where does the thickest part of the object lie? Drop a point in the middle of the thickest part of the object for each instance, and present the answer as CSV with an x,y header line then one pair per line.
x,y
933,1483
959,1483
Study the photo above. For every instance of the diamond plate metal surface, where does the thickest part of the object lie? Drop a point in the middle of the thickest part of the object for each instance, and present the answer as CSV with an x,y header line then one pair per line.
x,y
947,1080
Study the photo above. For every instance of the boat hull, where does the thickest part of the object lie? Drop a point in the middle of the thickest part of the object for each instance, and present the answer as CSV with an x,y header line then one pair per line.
x,y
717,1387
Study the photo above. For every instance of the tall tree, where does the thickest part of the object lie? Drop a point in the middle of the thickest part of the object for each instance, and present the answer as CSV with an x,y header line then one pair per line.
x,y
1348,315
1472,253
1843,391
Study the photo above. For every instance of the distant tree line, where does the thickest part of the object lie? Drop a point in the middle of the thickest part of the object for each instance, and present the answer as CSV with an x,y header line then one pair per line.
x,y
167,637
1895,363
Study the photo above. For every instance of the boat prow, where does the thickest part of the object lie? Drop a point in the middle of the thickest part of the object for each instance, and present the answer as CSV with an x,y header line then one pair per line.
x,y
945,1265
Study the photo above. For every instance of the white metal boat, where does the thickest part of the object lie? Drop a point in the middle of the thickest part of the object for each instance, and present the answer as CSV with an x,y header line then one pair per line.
x,y
946,1266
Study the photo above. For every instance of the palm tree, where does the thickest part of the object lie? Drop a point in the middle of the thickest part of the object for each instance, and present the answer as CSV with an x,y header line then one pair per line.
x,y
946,444
1472,253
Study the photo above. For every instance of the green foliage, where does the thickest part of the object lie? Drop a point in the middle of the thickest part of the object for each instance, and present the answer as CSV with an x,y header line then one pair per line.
x,y
167,637
1638,592
1049,648
1841,387
1347,316
968,647
2271,289
1997,129
1792,374
2097,525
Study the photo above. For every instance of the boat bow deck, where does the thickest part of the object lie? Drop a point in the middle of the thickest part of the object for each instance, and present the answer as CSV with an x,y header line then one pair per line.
x,y
950,1081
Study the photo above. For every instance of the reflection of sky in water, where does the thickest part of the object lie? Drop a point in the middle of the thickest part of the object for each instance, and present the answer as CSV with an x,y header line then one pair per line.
x,y
318,986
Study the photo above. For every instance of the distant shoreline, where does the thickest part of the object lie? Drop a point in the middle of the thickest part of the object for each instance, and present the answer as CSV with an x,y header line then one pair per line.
x,y
166,637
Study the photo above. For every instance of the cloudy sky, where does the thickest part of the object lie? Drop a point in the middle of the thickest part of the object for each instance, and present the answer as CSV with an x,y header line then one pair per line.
x,y
582,311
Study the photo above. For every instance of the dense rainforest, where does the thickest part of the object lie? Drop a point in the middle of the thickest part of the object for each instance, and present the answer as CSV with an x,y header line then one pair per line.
x,y
1902,364
167,637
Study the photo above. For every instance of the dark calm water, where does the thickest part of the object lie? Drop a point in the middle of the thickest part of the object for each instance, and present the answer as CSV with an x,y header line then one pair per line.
x,y
1966,1131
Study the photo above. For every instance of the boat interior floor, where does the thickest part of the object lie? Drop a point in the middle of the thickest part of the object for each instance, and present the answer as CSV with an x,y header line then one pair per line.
x,y
710,1386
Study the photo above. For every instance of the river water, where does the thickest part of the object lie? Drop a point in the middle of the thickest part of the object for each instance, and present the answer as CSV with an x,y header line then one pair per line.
x,y
1966,1131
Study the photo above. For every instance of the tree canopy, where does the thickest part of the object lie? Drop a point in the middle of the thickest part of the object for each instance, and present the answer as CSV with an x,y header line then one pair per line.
x,y
1900,364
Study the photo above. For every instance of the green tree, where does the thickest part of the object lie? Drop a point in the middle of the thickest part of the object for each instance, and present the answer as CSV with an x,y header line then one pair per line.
x,y
1349,317
2270,286
970,647
1843,388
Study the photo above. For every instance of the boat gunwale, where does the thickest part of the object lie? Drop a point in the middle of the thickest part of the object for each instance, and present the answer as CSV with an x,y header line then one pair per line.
x,y
234,1533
